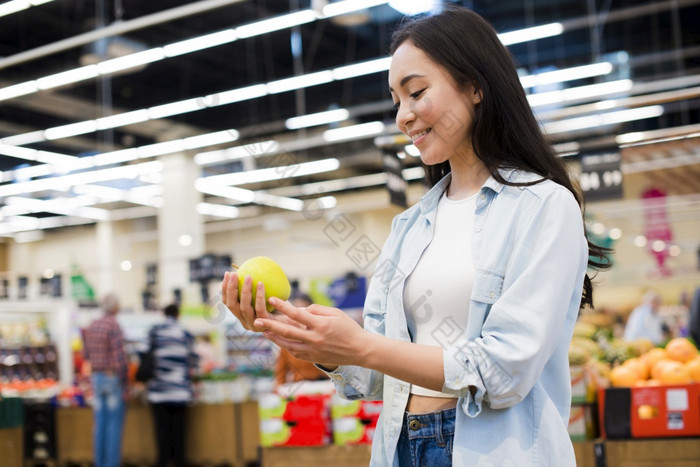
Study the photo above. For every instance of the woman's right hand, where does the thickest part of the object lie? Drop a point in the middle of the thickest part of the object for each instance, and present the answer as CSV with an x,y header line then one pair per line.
x,y
243,309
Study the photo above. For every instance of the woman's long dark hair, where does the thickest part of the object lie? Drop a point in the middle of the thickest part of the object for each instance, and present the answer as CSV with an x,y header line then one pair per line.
x,y
505,133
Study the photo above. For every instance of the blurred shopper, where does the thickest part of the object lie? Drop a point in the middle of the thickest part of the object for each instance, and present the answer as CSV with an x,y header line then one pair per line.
x,y
469,315
288,368
170,390
644,321
104,350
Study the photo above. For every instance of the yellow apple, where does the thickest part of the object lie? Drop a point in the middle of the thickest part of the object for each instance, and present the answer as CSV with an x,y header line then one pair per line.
x,y
265,270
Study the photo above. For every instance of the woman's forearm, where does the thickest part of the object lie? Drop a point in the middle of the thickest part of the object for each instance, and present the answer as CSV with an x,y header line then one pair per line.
x,y
414,363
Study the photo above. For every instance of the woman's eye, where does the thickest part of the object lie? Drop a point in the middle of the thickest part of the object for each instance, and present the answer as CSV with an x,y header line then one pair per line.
x,y
396,105
417,94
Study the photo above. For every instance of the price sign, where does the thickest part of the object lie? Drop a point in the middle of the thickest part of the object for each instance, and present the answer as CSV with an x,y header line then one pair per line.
x,y
601,176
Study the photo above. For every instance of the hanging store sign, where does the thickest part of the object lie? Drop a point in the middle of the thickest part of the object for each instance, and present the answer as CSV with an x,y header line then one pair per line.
x,y
208,267
601,175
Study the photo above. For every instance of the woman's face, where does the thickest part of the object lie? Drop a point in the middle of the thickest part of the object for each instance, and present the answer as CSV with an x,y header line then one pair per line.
x,y
432,109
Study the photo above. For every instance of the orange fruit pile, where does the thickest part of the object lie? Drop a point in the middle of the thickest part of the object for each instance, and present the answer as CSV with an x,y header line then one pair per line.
x,y
677,363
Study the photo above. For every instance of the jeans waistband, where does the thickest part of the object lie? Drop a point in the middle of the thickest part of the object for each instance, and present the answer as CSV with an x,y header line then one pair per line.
x,y
427,425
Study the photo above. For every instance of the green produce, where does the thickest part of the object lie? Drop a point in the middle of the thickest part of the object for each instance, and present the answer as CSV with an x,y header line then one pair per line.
x,y
265,270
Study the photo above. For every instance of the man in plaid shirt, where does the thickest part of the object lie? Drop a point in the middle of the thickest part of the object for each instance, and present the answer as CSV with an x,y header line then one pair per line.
x,y
104,349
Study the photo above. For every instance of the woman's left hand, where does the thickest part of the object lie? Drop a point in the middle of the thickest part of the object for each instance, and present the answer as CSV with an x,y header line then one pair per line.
x,y
323,334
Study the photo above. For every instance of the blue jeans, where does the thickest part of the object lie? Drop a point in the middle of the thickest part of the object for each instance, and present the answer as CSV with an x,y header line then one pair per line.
x,y
108,409
426,439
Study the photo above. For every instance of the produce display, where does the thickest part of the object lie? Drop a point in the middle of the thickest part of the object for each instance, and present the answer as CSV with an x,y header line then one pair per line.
x,y
611,361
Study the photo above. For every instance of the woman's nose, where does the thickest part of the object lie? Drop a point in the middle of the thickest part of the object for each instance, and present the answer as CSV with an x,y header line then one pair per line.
x,y
404,116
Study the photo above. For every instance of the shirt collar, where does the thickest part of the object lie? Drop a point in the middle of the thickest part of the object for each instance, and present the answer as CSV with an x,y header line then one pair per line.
x,y
429,201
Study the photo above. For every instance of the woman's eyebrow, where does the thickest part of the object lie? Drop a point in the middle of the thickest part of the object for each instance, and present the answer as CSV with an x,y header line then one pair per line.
x,y
406,79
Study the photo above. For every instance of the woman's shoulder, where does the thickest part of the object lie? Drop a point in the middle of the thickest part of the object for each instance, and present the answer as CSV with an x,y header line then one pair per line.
x,y
537,185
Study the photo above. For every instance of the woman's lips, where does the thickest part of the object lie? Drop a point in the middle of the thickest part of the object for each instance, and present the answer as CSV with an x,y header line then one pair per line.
x,y
419,137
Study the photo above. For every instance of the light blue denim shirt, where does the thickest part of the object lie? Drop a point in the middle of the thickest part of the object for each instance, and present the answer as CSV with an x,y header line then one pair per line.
x,y
530,256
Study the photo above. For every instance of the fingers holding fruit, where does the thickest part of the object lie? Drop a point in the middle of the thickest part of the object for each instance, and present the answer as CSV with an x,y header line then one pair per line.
x,y
246,291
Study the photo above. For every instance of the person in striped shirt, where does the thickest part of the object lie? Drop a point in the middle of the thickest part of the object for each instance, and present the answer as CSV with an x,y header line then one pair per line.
x,y
170,390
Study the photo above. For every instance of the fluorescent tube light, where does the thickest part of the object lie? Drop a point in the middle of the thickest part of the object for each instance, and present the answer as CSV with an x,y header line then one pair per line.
x,y
114,173
566,74
349,6
16,90
231,192
123,119
580,93
174,108
72,129
291,204
412,7
67,77
269,147
354,132
14,6
218,210
200,43
531,34
320,118
275,24
158,149
237,95
275,173
609,118
24,138
299,82
131,60
361,69
211,139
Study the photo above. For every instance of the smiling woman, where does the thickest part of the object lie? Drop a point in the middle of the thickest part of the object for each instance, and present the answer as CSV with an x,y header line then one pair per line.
x,y
469,316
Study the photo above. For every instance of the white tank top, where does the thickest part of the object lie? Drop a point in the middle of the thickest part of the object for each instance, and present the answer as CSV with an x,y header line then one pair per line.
x,y
436,294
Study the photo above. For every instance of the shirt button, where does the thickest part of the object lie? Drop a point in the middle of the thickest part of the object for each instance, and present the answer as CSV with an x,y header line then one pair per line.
x,y
478,229
457,380
492,294
482,196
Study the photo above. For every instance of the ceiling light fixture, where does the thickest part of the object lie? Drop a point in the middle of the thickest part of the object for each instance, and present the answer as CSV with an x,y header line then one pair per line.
x,y
204,185
580,93
200,43
269,147
320,118
361,130
349,6
531,34
275,173
14,6
218,210
566,74
413,7
300,82
275,23
607,118
64,181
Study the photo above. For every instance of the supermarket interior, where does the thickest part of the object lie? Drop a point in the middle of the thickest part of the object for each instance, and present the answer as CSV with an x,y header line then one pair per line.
x,y
147,148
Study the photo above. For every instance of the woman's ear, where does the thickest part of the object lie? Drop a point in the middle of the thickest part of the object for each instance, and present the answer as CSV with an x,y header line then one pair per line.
x,y
477,95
